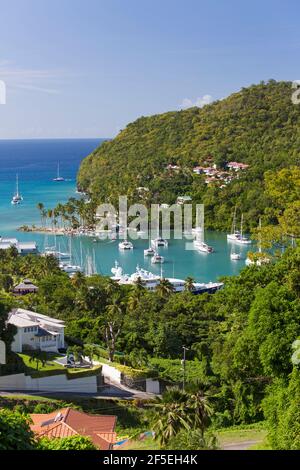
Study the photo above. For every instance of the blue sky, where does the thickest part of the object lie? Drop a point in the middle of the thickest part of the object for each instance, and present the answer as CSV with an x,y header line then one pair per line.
x,y
85,68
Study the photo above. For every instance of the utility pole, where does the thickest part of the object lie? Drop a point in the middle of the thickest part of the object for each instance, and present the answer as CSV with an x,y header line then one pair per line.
x,y
183,366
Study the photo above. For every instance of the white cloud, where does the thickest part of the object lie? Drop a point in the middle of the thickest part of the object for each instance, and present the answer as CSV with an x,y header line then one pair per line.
x,y
29,79
199,102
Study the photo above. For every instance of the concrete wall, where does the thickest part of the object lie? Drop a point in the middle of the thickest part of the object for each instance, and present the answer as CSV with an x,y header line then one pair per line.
x,y
111,372
2,352
146,385
153,386
55,383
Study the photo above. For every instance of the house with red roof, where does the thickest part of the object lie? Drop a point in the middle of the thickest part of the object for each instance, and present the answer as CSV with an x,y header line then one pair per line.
x,y
67,422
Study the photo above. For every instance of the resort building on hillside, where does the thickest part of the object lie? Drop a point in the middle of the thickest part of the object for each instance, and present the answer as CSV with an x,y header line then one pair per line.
x,y
183,199
68,422
36,331
24,248
25,287
237,166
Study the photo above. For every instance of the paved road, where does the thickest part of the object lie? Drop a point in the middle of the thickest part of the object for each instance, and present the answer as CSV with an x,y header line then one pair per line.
x,y
243,445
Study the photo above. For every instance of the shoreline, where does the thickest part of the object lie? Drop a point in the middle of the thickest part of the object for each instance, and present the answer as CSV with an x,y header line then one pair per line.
x,y
46,230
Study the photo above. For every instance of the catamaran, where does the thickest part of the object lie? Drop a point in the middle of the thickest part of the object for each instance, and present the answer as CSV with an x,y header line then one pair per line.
x,y
150,250
58,177
199,243
17,198
237,236
125,245
68,267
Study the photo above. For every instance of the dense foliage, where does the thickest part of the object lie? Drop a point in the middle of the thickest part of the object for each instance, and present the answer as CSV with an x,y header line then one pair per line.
x,y
240,339
15,433
75,442
258,125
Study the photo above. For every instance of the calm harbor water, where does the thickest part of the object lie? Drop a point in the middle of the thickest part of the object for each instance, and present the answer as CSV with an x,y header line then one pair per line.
x,y
36,163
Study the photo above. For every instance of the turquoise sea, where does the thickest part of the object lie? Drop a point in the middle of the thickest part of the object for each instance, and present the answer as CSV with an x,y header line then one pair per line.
x,y
35,161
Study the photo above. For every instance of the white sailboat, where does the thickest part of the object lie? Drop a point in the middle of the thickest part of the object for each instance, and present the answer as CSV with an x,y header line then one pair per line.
x,y
150,250
125,245
17,198
237,236
58,177
90,269
159,241
199,243
70,268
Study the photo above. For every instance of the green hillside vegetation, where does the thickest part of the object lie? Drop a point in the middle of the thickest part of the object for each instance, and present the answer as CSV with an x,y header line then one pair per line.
x,y
258,125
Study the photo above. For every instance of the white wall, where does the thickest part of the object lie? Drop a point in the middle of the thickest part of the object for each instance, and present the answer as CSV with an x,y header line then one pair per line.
x,y
111,372
55,383
152,386
2,352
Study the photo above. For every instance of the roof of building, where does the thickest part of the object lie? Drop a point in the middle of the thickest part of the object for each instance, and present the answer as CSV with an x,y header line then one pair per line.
x,y
26,285
67,422
22,318
27,245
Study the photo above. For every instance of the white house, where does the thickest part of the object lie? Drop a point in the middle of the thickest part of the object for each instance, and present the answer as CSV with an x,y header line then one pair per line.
x,y
183,199
36,331
24,248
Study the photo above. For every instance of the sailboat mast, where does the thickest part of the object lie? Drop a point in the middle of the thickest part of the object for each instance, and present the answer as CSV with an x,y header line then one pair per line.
x,y
234,221
259,248
242,219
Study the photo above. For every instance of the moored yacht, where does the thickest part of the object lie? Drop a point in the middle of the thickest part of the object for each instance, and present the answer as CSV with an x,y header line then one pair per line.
x,y
203,247
237,236
159,241
235,256
17,198
125,245
149,251
58,178
157,259
151,281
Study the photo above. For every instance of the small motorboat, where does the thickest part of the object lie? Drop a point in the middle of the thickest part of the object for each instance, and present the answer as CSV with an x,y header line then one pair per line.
x,y
157,259
149,251
125,245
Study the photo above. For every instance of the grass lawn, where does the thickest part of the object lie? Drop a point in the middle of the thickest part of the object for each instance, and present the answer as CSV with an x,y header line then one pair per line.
x,y
35,369
146,444
28,398
39,369
240,434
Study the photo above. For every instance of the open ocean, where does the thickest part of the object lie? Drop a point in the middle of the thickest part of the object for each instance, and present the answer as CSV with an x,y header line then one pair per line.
x,y
35,161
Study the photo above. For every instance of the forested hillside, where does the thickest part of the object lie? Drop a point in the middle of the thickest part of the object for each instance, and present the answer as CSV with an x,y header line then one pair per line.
x,y
258,125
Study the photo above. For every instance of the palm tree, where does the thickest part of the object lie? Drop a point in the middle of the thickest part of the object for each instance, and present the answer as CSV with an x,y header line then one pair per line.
x,y
44,217
200,410
173,416
113,323
164,288
50,216
40,207
189,284
78,280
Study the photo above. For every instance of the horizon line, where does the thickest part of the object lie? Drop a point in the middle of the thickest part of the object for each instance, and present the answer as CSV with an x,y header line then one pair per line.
x,y
54,138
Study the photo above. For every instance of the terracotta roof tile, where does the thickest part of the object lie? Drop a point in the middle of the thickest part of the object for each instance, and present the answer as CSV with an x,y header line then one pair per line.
x,y
66,422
